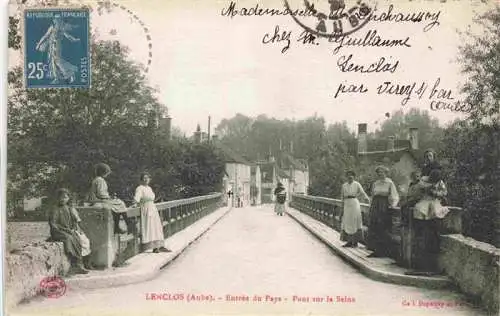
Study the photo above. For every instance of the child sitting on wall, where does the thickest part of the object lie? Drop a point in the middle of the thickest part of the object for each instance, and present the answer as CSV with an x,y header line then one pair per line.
x,y
63,222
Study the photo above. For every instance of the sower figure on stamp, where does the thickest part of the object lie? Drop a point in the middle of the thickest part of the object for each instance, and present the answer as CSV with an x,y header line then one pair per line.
x,y
51,43
63,222
151,224
384,197
352,221
280,194
99,197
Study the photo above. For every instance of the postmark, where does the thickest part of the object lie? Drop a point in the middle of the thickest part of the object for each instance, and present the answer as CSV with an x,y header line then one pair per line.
x,y
52,287
332,18
57,48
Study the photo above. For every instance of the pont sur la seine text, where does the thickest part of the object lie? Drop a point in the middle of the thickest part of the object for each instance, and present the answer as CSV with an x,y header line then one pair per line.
x,y
244,298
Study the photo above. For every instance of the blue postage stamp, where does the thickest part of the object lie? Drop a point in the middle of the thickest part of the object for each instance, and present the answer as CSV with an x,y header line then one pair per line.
x,y
57,48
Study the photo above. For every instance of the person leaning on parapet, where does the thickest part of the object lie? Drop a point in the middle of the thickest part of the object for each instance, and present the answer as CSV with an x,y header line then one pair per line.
x,y
352,222
280,194
63,223
99,197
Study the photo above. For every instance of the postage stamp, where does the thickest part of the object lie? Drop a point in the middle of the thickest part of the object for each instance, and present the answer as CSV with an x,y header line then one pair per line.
x,y
332,18
57,48
52,287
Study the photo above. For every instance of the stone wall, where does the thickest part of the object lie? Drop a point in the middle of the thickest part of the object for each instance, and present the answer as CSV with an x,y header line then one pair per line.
x,y
27,266
474,266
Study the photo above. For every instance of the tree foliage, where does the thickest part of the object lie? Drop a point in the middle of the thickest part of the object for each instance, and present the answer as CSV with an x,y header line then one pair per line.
x,y
55,136
480,61
472,145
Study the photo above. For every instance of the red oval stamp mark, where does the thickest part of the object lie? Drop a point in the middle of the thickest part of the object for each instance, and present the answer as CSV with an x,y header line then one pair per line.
x,y
52,287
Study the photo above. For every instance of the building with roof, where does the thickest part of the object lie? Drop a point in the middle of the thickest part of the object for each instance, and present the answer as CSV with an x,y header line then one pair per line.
x,y
238,176
401,156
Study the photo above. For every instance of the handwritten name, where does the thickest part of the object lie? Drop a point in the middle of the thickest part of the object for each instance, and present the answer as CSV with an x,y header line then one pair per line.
x,y
371,39
382,65
415,17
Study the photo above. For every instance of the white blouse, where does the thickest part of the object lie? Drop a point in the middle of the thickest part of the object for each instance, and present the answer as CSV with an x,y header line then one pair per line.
x,y
144,194
386,188
353,189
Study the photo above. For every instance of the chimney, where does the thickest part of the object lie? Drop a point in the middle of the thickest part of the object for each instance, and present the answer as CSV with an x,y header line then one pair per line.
x,y
362,146
197,135
413,138
166,126
208,138
390,143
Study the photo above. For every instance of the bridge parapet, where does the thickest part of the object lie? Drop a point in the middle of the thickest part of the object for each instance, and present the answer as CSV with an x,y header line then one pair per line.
x,y
329,212
109,249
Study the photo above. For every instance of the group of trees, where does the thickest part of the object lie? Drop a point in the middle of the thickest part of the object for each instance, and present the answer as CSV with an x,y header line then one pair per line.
x,y
329,149
56,136
472,144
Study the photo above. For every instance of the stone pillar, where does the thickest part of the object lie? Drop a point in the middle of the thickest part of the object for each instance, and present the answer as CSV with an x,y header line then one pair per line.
x,y
98,226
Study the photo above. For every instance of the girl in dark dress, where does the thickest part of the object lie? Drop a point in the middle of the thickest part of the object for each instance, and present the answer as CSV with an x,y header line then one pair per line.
x,y
63,222
384,197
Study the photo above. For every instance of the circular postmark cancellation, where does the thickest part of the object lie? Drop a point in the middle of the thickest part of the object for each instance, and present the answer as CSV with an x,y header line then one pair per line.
x,y
332,18
52,287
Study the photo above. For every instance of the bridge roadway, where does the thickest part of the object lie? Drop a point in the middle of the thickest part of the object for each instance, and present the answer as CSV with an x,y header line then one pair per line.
x,y
252,252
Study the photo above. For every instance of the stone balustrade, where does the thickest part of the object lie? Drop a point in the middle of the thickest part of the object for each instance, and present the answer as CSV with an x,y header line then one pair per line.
x,y
109,249
329,212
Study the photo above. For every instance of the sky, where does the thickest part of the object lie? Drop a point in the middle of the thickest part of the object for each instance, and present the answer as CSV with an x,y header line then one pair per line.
x,y
205,64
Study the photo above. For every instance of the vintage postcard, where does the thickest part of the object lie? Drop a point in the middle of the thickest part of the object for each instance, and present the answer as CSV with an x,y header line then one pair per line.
x,y
251,157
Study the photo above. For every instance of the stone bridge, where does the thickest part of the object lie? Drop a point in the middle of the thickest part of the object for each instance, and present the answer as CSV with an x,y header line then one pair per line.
x,y
250,261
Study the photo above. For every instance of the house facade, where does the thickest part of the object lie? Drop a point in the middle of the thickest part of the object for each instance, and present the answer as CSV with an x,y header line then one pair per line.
x,y
399,155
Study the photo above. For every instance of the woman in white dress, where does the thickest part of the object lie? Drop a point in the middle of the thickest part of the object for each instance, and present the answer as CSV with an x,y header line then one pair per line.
x,y
151,224
352,222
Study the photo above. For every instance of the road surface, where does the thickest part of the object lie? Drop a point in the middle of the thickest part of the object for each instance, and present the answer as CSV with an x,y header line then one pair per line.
x,y
255,262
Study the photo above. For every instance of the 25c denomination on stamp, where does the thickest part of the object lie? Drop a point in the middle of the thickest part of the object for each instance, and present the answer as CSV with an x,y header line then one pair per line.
x,y
56,48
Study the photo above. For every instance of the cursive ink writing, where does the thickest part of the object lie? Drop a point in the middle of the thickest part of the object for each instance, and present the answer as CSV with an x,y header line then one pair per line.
x,y
350,89
231,11
371,39
382,65
415,17
396,89
278,37
307,38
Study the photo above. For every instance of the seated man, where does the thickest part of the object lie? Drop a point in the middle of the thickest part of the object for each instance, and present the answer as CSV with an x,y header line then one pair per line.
x,y
63,222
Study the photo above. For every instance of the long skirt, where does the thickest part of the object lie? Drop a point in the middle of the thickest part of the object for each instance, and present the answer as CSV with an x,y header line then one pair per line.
x,y
151,227
425,245
279,208
352,222
71,242
378,239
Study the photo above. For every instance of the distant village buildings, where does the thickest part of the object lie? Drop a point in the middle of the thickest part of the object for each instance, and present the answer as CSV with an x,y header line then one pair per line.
x,y
253,182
